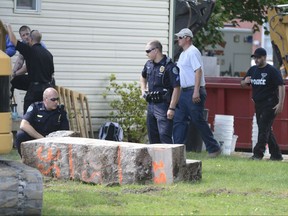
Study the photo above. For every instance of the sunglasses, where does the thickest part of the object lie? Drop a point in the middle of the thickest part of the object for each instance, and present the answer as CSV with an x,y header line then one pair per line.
x,y
54,99
150,50
181,37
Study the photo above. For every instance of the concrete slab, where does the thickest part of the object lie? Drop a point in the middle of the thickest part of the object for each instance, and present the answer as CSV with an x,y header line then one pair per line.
x,y
108,162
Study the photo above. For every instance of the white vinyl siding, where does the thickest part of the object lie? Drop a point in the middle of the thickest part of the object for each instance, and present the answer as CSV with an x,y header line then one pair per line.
x,y
92,39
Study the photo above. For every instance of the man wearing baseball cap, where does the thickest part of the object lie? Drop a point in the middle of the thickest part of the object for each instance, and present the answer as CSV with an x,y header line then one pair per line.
x,y
193,95
268,93
259,52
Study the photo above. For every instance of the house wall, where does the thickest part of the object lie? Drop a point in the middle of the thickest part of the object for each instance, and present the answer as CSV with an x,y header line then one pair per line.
x,y
91,39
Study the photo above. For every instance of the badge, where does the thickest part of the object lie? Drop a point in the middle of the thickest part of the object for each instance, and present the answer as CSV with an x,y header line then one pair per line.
x,y
175,70
162,68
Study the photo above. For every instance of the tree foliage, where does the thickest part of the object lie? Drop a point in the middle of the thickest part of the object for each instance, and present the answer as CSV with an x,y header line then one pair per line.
x,y
232,12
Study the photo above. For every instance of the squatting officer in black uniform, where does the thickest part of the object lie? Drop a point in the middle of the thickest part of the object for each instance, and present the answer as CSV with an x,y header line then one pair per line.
x,y
42,118
268,94
162,94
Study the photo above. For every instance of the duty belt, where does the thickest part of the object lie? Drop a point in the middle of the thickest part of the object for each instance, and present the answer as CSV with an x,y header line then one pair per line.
x,y
157,96
40,83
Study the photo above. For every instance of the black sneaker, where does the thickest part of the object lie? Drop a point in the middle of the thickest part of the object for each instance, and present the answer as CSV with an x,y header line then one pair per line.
x,y
253,157
276,158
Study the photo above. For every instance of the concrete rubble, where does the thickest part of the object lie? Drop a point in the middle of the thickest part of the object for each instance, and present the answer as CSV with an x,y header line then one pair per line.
x,y
108,162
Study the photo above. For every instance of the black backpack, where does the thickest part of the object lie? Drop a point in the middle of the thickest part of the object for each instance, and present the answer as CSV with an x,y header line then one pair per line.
x,y
111,131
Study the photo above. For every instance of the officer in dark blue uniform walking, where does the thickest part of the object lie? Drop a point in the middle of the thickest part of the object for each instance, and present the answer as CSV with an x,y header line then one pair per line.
x,y
162,93
268,94
42,118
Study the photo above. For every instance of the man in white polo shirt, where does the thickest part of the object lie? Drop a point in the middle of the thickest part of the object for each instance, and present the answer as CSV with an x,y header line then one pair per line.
x,y
193,95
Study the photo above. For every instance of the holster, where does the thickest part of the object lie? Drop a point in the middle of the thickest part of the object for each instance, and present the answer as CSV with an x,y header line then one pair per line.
x,y
157,96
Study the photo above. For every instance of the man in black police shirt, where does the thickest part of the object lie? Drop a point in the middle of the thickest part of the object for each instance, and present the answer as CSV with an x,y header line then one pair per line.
x,y
40,66
42,118
268,93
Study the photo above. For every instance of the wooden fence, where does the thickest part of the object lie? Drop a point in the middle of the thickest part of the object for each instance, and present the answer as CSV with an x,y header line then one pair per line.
x,y
77,107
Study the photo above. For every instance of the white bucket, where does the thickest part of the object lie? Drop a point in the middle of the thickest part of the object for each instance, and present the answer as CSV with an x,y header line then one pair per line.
x,y
233,144
223,122
224,131
226,146
223,127
229,118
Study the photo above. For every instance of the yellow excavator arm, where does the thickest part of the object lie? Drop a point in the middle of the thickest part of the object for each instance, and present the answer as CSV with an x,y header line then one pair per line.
x,y
278,22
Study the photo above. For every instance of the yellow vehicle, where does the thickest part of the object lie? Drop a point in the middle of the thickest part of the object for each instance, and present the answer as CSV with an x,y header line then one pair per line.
x,y
5,114
278,22
21,191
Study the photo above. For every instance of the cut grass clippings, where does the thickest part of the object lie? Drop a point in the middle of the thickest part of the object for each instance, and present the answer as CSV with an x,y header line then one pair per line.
x,y
230,185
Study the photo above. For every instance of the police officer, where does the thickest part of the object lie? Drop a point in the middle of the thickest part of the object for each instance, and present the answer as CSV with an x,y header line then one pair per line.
x,y
42,118
268,94
40,65
162,93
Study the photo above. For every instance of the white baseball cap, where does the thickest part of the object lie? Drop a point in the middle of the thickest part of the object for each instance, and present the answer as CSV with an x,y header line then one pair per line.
x,y
185,32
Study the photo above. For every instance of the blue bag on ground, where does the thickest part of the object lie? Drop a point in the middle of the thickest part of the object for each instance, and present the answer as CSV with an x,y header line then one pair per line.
x,y
111,131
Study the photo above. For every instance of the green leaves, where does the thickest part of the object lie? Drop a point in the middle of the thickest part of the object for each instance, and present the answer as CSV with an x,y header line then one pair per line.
x,y
231,12
128,109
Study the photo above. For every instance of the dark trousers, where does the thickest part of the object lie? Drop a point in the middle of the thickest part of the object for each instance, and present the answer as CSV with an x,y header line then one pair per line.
x,y
189,111
21,136
34,94
265,115
158,125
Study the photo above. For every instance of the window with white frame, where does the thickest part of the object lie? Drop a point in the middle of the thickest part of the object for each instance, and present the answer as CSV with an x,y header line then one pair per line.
x,y
27,6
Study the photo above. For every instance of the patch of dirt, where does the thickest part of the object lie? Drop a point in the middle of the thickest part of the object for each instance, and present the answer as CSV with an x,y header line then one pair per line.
x,y
148,189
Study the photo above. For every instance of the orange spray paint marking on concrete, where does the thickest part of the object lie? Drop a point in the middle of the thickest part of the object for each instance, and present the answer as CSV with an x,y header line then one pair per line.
x,y
48,159
71,168
157,166
90,165
92,176
46,172
161,177
119,166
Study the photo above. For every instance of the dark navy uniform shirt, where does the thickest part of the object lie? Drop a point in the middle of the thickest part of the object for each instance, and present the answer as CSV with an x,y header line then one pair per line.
x,y
265,82
44,121
39,62
162,75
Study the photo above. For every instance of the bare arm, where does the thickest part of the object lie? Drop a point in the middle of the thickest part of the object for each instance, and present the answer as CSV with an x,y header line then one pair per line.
x,y
18,64
173,102
25,126
21,71
246,81
12,36
143,84
281,92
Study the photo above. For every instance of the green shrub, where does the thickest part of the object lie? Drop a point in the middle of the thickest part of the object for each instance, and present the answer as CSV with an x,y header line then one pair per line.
x,y
129,110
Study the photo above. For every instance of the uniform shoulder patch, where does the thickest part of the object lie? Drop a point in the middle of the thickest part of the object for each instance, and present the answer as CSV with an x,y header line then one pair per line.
x,y
175,70
30,108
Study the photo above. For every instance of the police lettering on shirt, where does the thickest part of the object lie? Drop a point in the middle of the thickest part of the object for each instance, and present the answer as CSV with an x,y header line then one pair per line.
x,y
261,81
265,82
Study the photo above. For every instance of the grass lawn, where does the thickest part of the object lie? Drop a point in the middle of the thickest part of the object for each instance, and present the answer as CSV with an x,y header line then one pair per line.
x,y
230,185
